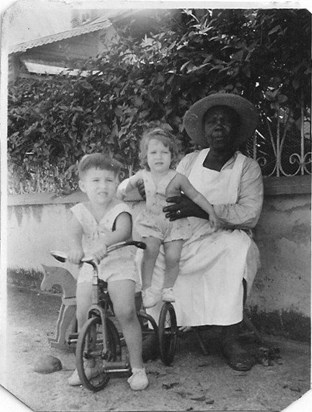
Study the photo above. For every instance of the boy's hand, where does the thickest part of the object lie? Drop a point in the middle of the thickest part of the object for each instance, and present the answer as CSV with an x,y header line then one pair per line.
x,y
75,256
100,254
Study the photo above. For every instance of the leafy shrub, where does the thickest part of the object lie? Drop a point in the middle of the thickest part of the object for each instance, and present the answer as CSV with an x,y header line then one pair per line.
x,y
148,79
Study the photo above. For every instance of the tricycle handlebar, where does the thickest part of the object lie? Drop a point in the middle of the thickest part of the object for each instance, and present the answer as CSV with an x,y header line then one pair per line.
x,y
62,257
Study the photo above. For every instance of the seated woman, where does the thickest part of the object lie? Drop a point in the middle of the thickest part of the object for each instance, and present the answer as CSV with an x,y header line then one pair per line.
x,y
215,266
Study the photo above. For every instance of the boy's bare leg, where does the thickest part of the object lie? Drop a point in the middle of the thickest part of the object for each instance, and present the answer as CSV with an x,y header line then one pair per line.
x,y
122,294
149,259
84,300
172,259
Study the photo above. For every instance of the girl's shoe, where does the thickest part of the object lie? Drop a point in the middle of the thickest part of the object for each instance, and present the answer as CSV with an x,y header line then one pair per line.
x,y
150,298
74,379
167,295
138,380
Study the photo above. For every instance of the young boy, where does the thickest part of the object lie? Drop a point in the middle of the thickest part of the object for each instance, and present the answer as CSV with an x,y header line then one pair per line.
x,y
96,224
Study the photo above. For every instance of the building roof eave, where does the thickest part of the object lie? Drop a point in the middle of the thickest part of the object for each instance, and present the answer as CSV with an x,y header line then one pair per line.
x,y
77,31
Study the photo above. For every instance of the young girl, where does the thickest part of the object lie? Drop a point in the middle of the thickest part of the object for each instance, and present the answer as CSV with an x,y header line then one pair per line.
x,y
158,155
96,224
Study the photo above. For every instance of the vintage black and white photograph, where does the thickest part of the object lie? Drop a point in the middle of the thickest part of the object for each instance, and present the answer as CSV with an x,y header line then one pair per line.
x,y
155,206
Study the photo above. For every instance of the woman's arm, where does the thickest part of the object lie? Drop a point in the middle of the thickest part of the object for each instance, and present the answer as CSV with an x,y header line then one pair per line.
x,y
244,213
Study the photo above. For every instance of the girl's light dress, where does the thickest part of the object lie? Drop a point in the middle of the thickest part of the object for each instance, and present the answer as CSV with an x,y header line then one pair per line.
x,y
152,221
117,265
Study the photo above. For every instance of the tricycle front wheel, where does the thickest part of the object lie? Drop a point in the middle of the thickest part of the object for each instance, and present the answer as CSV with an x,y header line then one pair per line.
x,y
89,352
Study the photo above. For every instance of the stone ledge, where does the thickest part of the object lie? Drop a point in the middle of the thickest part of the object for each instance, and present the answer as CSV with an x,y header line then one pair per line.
x,y
287,323
293,185
273,186
31,199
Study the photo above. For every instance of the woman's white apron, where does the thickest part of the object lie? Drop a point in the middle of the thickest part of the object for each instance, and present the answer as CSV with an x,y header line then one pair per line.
x,y
209,289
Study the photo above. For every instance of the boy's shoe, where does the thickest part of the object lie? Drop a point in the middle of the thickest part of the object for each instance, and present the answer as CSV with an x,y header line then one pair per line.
x,y
74,379
150,298
138,380
167,295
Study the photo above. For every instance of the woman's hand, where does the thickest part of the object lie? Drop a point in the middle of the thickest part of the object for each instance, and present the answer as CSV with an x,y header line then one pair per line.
x,y
183,207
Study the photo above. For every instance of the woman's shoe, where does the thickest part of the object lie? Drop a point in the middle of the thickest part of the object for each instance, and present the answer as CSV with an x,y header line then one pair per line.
x,y
138,380
236,356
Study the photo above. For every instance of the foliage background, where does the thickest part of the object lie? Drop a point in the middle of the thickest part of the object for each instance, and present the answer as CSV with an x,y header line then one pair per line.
x,y
151,77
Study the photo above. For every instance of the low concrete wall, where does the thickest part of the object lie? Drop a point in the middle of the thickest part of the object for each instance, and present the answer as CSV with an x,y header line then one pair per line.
x,y
281,295
280,299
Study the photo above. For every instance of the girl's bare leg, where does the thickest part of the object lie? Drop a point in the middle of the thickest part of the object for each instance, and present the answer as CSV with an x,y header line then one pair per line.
x,y
149,259
122,294
172,259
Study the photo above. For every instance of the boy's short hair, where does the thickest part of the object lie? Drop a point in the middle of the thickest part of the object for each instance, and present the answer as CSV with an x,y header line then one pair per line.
x,y
166,138
98,161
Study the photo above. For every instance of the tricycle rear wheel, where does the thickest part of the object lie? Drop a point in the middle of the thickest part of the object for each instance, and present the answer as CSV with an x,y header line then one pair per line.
x,y
167,331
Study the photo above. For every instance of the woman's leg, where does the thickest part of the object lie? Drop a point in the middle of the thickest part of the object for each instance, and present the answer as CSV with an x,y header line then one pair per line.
x,y
172,259
149,259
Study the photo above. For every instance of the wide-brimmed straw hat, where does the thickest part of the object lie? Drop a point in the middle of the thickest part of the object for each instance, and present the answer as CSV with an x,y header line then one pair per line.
x,y
193,118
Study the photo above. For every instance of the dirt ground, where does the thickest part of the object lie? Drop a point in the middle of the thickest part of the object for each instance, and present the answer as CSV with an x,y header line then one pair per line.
x,y
194,383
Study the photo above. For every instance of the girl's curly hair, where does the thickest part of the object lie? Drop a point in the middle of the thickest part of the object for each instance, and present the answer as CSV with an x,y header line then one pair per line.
x,y
166,138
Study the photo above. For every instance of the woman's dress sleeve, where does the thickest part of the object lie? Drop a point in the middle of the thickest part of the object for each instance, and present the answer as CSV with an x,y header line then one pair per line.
x,y
245,213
